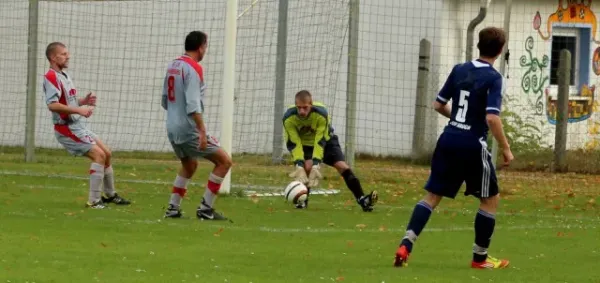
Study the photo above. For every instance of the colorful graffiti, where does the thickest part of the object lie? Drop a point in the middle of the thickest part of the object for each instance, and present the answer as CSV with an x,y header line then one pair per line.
x,y
596,61
535,77
574,13
581,105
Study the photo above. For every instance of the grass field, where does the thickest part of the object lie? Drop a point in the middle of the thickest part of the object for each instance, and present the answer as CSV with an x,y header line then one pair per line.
x,y
549,227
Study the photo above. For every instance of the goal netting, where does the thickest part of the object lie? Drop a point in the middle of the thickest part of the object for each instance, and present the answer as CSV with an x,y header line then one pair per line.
x,y
120,49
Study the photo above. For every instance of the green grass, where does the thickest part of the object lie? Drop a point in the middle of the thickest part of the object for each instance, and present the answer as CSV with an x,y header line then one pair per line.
x,y
548,227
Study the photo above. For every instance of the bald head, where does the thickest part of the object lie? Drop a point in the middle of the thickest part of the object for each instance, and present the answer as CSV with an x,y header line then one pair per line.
x,y
303,103
58,55
51,49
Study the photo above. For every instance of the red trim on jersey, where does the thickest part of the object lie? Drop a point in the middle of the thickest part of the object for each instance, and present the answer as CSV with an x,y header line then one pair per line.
x,y
194,65
51,77
62,98
65,131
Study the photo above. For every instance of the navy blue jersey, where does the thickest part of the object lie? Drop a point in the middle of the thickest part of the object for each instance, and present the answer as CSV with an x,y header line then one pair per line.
x,y
476,90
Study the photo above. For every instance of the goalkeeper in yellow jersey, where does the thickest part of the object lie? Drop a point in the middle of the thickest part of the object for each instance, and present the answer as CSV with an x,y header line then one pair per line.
x,y
309,137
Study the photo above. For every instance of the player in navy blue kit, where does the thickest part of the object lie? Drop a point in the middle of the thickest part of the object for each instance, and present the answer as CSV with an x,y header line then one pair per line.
x,y
461,155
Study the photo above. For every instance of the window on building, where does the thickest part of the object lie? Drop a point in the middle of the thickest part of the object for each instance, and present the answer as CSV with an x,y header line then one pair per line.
x,y
558,44
576,39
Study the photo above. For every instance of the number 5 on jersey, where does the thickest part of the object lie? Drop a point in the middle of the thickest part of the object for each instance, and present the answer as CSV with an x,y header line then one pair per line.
x,y
171,88
463,106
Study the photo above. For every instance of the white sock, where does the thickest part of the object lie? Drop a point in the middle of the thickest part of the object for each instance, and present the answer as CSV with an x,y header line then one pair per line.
x,y
212,188
109,181
96,176
179,190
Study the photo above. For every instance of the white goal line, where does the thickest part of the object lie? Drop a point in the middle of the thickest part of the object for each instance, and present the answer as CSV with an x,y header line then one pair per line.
x,y
253,188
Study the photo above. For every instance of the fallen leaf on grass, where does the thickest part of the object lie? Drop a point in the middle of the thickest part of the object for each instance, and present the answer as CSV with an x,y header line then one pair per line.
x,y
340,278
361,226
382,228
218,233
350,244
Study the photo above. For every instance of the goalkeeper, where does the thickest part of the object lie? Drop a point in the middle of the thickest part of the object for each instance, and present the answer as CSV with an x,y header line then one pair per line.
x,y
310,139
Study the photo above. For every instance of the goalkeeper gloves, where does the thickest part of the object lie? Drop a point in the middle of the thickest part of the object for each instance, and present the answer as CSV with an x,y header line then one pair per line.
x,y
299,174
314,176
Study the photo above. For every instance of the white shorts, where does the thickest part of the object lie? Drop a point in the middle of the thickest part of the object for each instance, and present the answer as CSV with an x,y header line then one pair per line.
x,y
75,138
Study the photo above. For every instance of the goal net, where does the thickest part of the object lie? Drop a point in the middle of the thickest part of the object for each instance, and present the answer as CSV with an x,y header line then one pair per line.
x,y
119,50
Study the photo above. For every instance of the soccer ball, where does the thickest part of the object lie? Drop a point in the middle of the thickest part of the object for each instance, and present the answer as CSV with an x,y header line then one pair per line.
x,y
295,192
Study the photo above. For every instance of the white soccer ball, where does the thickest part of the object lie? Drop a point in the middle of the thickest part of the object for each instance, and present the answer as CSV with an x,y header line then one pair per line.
x,y
295,192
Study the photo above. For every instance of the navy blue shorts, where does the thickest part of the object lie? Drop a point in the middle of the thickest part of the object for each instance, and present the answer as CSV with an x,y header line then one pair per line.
x,y
332,152
459,159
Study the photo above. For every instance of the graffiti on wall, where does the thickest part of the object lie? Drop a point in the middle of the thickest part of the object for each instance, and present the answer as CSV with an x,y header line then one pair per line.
x,y
535,77
581,104
576,12
581,107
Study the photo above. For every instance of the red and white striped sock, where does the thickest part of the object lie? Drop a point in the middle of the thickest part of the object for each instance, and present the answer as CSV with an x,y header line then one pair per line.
x,y
179,190
212,189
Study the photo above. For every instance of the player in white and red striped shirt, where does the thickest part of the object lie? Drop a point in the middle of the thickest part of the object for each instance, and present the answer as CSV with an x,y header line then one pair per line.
x,y
67,109
183,98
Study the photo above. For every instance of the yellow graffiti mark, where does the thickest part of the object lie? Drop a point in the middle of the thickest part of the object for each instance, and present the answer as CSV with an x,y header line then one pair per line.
x,y
574,13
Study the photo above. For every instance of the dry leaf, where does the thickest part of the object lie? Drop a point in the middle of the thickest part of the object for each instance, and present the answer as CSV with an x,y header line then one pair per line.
x,y
218,233
361,226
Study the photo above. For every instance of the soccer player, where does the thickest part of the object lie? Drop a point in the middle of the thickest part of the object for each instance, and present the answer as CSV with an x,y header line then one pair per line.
x,y
310,139
67,110
182,97
461,154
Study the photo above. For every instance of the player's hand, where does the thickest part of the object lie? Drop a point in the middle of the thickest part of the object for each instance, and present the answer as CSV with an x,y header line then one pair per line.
x,y
299,174
314,176
90,99
508,156
203,141
85,111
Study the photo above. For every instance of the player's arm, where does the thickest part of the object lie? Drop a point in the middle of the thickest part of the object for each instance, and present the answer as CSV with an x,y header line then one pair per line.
x,y
52,95
319,146
441,101
493,108
163,99
193,103
293,140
